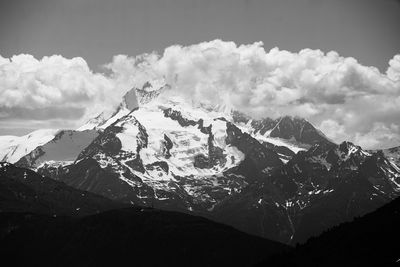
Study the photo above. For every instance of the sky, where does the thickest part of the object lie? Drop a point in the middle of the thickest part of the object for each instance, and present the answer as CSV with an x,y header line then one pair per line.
x,y
59,59
98,29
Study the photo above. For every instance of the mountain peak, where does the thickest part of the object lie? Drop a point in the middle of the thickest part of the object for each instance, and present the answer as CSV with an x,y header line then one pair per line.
x,y
150,91
292,118
289,127
347,145
130,99
350,148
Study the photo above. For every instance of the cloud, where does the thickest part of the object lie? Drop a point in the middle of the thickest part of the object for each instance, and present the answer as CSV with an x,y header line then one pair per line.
x,y
380,133
347,100
393,72
52,86
350,101
335,130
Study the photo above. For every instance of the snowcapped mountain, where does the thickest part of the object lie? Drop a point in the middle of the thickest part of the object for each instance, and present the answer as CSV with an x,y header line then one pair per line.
x,y
318,188
289,128
269,177
286,135
165,151
12,148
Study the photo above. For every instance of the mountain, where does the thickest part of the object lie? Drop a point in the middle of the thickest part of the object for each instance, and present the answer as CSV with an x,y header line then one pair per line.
x,y
268,177
366,241
174,155
319,188
12,148
290,128
164,153
23,190
392,154
47,223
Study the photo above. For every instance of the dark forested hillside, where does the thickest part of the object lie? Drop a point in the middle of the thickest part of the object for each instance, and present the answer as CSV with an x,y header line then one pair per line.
x,y
132,236
372,240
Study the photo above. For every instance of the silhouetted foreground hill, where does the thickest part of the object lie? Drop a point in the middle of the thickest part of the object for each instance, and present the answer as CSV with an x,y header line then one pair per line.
x,y
131,236
372,240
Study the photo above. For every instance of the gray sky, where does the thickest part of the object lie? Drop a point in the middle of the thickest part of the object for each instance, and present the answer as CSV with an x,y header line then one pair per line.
x,y
98,29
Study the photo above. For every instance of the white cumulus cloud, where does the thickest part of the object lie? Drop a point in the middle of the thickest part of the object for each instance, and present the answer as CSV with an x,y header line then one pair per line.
x,y
31,83
394,68
50,88
353,101
346,100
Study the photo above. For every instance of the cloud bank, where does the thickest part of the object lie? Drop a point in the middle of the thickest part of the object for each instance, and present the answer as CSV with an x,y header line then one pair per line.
x,y
346,100
53,89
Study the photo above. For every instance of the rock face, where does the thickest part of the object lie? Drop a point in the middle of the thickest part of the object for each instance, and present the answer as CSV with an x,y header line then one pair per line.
x,y
299,129
269,177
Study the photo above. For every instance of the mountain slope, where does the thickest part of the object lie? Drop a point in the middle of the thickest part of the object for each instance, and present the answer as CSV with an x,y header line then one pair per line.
x,y
393,154
366,241
286,135
23,190
322,187
12,148
139,236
